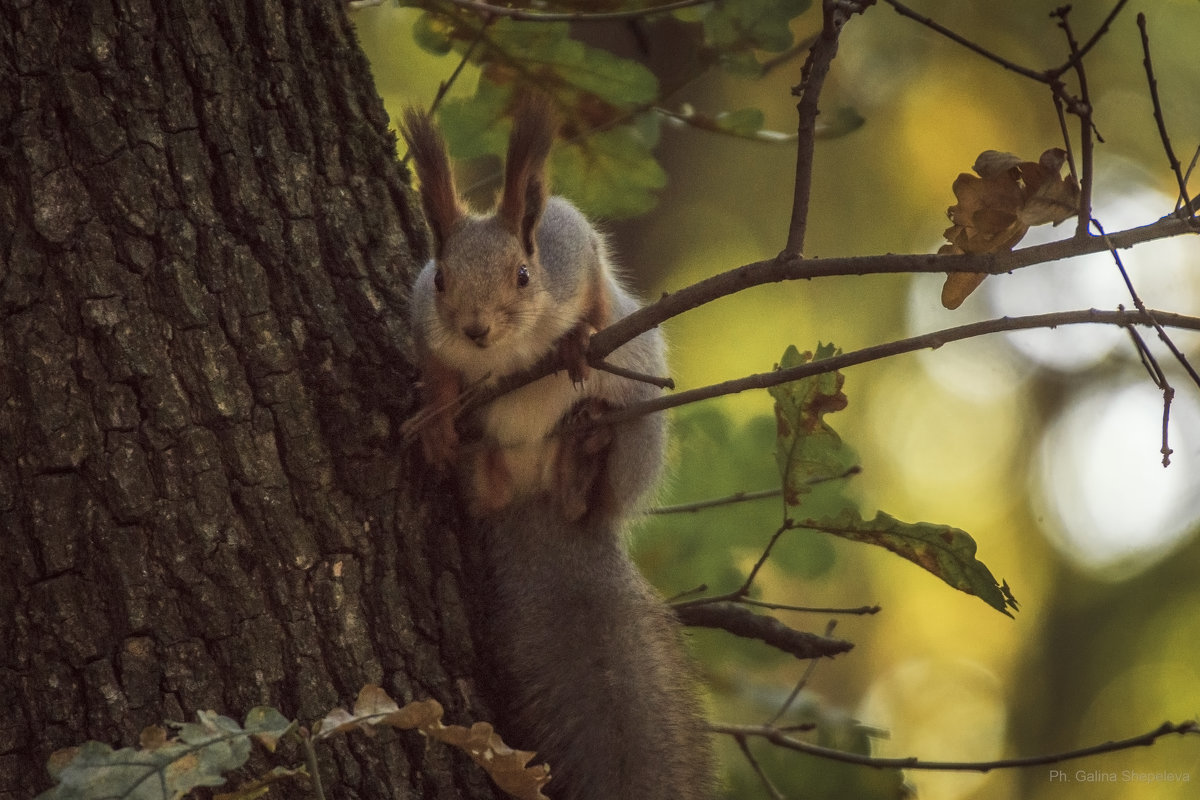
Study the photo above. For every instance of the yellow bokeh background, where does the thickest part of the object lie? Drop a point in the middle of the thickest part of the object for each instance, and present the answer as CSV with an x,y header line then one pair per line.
x,y
1093,654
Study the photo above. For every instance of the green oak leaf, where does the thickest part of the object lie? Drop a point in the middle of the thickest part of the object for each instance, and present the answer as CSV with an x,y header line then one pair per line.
x,y
807,450
611,174
947,552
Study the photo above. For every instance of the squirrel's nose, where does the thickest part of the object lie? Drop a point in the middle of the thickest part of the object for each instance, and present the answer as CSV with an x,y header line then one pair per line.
x,y
477,333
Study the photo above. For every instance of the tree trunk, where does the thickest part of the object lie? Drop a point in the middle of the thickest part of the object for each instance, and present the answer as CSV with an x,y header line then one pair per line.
x,y
204,502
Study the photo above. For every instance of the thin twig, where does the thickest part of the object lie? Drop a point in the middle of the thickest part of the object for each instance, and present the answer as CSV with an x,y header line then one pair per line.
x,y
744,497
744,589
1187,176
701,505
641,377
1152,317
1057,94
816,67
1082,109
978,49
1101,31
800,684
860,611
778,737
1176,168
758,770
1148,360
444,86
525,15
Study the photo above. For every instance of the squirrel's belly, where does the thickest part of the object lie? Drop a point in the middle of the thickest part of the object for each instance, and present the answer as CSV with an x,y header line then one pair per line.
x,y
522,424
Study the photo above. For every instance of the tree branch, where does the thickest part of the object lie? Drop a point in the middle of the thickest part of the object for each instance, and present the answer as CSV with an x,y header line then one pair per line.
x,y
785,267
932,340
816,67
780,738
741,621
525,15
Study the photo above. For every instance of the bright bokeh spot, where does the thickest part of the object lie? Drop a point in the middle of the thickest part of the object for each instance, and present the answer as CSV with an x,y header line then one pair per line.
x,y
1109,503
981,369
1160,272
943,710
941,445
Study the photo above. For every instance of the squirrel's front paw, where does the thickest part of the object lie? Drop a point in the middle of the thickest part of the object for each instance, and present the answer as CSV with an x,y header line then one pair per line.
x,y
439,440
582,454
572,351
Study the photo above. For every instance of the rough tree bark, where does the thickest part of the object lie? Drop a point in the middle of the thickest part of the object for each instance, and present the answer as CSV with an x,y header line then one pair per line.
x,y
205,241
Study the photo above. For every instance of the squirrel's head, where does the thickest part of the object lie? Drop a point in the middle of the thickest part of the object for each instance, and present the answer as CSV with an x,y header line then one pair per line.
x,y
488,284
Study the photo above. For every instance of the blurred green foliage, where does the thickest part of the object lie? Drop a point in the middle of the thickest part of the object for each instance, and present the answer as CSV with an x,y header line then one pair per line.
x,y
605,161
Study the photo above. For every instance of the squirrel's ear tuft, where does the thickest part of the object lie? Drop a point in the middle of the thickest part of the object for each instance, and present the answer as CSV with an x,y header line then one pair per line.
x,y
443,209
524,196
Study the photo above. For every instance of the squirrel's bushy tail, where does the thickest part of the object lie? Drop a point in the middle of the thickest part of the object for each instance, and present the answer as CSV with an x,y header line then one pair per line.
x,y
596,678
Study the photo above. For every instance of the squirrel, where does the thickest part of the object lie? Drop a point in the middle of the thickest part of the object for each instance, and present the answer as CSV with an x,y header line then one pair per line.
x,y
592,671
502,292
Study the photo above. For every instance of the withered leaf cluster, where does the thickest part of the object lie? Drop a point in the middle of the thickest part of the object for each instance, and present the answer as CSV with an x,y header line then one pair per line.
x,y
998,205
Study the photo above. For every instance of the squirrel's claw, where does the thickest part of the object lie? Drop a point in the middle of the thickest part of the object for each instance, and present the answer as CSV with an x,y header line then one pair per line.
x,y
582,455
572,352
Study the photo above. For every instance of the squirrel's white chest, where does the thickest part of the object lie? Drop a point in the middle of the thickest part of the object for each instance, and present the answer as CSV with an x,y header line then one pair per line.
x,y
521,423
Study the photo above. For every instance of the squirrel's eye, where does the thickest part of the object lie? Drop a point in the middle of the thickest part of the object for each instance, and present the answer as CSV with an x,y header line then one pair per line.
x,y
522,276
439,281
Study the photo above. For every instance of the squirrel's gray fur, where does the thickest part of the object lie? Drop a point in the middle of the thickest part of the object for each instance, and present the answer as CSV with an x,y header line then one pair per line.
x,y
589,664
596,677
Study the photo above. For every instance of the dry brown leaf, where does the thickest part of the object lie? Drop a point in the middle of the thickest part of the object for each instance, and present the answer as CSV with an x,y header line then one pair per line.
x,y
997,206
506,766
152,737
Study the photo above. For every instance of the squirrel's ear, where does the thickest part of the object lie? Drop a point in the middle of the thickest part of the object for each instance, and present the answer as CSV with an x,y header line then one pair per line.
x,y
442,206
524,196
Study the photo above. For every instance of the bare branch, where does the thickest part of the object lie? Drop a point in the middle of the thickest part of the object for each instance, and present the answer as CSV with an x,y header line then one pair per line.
x,y
778,737
816,67
525,15
1176,168
741,621
933,340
